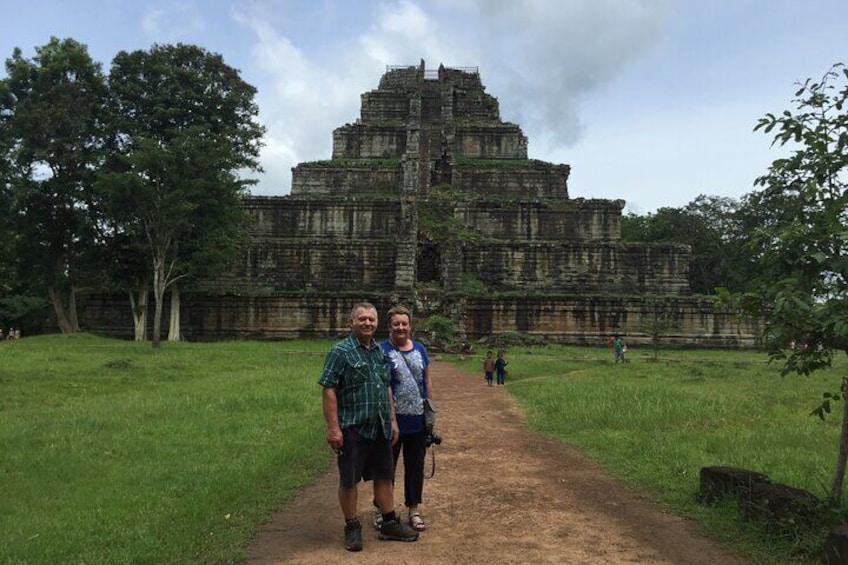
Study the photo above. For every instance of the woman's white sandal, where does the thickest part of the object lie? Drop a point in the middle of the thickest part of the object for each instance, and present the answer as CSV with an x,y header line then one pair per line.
x,y
417,522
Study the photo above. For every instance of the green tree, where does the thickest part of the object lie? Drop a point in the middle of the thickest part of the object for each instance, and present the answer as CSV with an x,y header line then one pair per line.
x,y
7,233
184,129
660,317
635,228
720,245
802,241
18,308
713,229
51,116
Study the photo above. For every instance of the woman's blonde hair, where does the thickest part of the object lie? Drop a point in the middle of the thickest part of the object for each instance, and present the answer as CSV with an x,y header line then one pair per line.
x,y
400,311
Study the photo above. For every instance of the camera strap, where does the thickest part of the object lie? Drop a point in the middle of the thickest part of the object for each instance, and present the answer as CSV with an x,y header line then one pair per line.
x,y
428,407
422,386
432,451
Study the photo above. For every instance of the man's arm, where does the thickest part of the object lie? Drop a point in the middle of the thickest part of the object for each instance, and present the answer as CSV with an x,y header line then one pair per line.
x,y
331,417
395,428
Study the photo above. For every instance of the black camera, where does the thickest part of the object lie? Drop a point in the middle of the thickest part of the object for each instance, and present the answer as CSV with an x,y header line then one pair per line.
x,y
432,439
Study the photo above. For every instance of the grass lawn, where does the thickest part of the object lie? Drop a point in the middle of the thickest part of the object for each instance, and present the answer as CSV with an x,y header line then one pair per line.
x,y
117,453
113,452
654,424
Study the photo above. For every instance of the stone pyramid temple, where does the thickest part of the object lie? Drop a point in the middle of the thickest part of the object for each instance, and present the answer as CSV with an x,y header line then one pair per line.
x,y
429,199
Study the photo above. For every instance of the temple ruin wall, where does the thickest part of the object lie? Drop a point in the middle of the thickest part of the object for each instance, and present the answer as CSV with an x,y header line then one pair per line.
x,y
538,221
320,180
561,319
580,269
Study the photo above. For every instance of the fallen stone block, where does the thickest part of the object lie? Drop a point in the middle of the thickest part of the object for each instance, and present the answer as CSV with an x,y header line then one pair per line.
x,y
718,482
781,508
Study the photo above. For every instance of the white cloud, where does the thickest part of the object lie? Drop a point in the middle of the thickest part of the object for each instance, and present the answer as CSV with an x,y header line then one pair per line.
x,y
298,104
306,99
540,58
546,57
404,33
172,21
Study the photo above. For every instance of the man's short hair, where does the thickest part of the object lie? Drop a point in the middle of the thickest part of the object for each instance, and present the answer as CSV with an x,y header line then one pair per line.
x,y
361,306
400,311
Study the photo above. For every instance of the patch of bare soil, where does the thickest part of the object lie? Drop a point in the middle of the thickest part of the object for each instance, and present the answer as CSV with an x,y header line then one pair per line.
x,y
500,495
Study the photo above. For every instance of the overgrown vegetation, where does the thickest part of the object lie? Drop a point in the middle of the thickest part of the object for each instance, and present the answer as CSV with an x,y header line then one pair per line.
x,y
802,286
472,285
130,181
436,219
438,329
21,309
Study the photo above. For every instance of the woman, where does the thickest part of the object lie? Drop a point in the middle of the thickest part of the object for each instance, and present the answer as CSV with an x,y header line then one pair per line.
x,y
410,382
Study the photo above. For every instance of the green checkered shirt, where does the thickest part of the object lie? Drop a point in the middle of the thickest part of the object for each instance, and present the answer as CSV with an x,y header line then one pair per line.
x,y
361,379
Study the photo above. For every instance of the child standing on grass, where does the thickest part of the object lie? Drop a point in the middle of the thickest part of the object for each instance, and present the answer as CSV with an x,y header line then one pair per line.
x,y
489,368
619,349
500,368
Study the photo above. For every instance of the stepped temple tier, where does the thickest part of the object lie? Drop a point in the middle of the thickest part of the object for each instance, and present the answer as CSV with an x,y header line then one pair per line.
x,y
429,199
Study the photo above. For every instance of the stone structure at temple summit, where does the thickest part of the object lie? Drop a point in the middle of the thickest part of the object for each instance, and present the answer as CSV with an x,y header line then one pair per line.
x,y
429,199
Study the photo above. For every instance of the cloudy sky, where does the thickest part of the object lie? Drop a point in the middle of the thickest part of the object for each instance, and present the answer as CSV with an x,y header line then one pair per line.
x,y
652,101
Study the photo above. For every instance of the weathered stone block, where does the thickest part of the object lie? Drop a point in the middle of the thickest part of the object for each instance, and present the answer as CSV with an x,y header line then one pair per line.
x,y
360,142
525,182
780,507
323,180
382,106
718,482
502,141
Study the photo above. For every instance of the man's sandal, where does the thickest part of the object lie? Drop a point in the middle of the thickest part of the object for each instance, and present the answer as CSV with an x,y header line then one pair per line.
x,y
417,522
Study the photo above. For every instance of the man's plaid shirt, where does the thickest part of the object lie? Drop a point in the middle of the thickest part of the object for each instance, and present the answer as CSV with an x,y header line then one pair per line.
x,y
361,379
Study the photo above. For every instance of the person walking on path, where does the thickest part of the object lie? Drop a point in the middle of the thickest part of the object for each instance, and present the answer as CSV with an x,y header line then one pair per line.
x,y
489,368
500,368
361,426
410,381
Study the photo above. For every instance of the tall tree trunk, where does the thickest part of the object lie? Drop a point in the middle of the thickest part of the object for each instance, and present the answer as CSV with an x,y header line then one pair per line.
x,y
839,473
174,319
139,312
59,309
158,297
72,310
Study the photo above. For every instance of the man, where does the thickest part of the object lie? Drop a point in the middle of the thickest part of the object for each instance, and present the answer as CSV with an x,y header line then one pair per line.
x,y
361,426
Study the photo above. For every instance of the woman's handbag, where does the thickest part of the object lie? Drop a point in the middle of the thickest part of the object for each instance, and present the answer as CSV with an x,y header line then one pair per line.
x,y
430,414
432,437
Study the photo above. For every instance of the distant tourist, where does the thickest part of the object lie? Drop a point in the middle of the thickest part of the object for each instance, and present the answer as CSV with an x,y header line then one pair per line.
x,y
619,348
500,368
489,368
361,427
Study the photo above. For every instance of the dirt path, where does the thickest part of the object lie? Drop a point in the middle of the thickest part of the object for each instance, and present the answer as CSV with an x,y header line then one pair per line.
x,y
500,495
